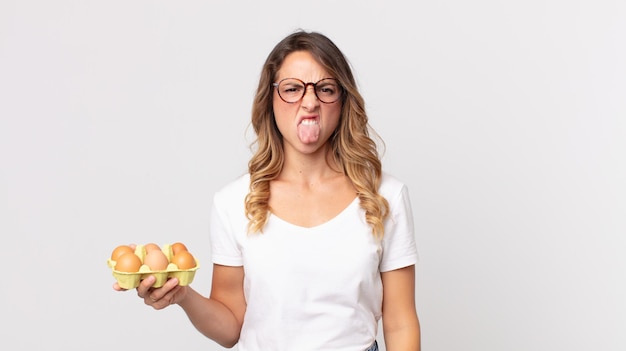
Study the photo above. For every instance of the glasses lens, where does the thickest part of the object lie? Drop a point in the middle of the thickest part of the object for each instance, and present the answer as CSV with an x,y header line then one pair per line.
x,y
328,90
291,90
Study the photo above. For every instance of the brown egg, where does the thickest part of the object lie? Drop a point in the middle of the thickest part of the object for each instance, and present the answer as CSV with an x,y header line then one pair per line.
x,y
156,260
184,260
118,251
177,247
128,262
151,246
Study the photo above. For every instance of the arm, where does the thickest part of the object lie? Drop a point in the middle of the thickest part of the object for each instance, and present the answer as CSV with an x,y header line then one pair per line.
x,y
218,317
401,326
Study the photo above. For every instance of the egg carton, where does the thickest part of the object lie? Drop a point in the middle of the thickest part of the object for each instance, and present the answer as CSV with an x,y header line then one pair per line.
x,y
131,280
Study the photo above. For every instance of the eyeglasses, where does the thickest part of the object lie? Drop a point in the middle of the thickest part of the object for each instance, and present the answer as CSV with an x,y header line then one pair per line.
x,y
291,90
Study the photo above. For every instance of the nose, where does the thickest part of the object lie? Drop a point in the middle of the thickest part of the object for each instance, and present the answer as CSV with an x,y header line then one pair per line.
x,y
310,98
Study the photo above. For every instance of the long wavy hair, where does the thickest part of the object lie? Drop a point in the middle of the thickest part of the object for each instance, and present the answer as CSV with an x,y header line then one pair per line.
x,y
352,148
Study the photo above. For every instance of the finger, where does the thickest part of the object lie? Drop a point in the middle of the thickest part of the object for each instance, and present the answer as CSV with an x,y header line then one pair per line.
x,y
117,287
166,291
171,283
150,297
165,295
157,302
145,285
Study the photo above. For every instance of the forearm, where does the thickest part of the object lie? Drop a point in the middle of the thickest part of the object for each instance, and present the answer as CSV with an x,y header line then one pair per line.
x,y
400,322
212,318
403,338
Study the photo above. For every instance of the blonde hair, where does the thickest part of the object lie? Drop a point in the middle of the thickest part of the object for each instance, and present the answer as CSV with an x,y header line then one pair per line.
x,y
352,148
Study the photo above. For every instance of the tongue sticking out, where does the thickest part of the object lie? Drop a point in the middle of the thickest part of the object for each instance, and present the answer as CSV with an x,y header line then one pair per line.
x,y
308,131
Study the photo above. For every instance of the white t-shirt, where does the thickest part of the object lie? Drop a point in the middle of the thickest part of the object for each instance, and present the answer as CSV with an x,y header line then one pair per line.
x,y
312,288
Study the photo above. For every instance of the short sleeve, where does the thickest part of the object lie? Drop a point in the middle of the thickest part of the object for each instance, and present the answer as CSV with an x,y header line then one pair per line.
x,y
224,247
399,248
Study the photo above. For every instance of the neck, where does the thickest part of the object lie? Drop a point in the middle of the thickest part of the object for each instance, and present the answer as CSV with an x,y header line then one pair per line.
x,y
309,168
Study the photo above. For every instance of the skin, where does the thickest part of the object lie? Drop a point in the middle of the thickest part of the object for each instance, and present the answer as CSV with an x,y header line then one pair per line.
x,y
307,179
401,326
300,64
309,190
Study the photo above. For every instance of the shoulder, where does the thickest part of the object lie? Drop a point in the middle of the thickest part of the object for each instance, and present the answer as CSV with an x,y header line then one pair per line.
x,y
233,192
391,187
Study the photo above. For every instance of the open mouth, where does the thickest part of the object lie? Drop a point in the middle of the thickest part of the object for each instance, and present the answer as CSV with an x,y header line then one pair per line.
x,y
309,121
309,129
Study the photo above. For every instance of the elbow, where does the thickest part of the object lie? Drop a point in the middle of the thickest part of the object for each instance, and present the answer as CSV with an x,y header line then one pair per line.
x,y
229,342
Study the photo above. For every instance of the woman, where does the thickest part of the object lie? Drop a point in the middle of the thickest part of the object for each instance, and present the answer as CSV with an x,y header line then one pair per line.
x,y
315,244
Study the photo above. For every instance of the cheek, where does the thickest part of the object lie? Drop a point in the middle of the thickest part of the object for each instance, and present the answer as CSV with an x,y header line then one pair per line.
x,y
276,106
283,109
283,115
333,113
280,110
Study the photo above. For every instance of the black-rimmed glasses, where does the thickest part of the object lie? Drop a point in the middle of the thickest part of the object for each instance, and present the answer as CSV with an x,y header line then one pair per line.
x,y
291,90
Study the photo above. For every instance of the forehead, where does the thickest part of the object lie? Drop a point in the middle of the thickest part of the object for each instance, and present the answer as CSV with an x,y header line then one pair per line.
x,y
302,65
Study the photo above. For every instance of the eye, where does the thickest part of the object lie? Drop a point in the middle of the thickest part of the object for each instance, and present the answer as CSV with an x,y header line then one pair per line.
x,y
291,88
327,89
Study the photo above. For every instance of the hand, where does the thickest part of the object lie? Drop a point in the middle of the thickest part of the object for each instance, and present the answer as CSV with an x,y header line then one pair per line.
x,y
159,298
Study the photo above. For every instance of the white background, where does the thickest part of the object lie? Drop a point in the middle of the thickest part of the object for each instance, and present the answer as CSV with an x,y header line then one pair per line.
x,y
120,119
